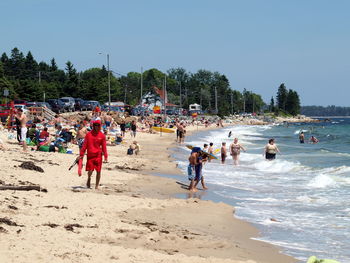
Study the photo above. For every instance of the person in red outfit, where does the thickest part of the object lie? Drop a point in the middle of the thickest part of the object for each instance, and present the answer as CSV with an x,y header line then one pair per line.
x,y
95,146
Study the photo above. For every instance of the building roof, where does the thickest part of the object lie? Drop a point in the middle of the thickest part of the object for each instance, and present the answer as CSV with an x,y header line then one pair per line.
x,y
160,93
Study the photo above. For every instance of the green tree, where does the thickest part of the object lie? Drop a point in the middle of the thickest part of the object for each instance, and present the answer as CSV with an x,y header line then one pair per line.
x,y
71,85
53,65
282,94
272,105
293,103
15,65
30,67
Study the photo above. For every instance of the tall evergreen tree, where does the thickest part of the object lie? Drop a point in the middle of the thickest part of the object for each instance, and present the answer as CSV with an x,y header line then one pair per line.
x,y
30,67
71,85
293,103
272,105
53,65
15,68
282,97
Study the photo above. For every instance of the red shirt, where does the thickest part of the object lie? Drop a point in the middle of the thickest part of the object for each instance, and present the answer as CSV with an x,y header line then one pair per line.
x,y
44,135
95,145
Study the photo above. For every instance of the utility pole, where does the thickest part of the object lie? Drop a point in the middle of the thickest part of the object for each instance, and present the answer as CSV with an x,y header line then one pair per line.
x,y
243,103
180,95
141,85
40,84
165,96
253,103
231,103
125,90
216,101
109,82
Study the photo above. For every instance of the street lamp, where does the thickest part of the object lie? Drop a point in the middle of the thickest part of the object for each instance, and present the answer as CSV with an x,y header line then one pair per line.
x,y
109,80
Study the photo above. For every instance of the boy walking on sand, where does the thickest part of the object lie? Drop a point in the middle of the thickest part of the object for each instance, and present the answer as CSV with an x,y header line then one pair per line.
x,y
95,145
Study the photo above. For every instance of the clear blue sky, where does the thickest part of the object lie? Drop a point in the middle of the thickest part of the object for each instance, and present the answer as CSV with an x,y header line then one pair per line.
x,y
257,44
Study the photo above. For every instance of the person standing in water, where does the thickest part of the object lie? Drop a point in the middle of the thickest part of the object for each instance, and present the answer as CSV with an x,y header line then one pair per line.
x,y
210,150
302,137
223,153
270,150
235,150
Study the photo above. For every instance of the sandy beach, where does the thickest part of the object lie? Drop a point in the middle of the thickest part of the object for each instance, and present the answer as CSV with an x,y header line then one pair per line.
x,y
133,217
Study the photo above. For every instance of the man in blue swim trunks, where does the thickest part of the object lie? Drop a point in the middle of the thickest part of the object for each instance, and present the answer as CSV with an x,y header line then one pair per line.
x,y
195,166
191,169
198,169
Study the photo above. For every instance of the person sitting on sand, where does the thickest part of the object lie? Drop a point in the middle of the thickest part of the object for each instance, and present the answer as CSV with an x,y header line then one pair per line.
x,y
235,150
136,147
44,137
130,151
270,150
95,146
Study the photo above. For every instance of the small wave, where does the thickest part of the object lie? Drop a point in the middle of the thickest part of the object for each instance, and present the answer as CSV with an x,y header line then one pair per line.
x,y
299,131
278,166
321,181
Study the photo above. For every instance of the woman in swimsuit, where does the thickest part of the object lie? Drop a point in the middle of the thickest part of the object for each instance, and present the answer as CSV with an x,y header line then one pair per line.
x,y
271,150
235,150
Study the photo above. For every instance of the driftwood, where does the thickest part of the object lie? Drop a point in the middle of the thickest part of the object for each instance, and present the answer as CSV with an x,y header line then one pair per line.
x,y
22,188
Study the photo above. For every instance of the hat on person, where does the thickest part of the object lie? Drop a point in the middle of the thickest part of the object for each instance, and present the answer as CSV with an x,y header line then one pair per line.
x,y
196,149
96,122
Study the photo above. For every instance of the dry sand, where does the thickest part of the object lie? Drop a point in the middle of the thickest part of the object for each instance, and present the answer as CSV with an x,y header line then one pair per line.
x,y
132,218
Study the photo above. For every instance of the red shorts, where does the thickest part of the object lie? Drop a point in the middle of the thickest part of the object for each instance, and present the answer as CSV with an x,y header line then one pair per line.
x,y
94,163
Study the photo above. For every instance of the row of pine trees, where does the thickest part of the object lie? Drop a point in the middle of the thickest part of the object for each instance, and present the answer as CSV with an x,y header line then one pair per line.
x,y
28,79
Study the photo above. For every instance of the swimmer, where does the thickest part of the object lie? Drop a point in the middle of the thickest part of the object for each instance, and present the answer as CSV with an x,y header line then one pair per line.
x,y
313,139
223,153
235,150
270,150
210,150
301,137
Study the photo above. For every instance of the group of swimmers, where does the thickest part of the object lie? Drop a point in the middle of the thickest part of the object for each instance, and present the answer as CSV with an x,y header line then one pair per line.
x,y
312,139
198,157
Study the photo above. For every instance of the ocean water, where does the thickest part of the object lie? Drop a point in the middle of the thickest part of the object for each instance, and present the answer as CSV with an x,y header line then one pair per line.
x,y
301,200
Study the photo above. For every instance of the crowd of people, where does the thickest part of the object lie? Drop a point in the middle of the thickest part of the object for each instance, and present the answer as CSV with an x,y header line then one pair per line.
x,y
199,157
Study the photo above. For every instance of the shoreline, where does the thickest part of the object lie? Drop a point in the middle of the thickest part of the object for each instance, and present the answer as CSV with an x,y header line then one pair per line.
x,y
133,218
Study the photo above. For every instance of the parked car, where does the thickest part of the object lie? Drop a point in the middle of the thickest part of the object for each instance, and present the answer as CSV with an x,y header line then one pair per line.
x,y
78,104
20,102
90,105
69,103
23,107
44,105
56,105
170,112
112,108
31,104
